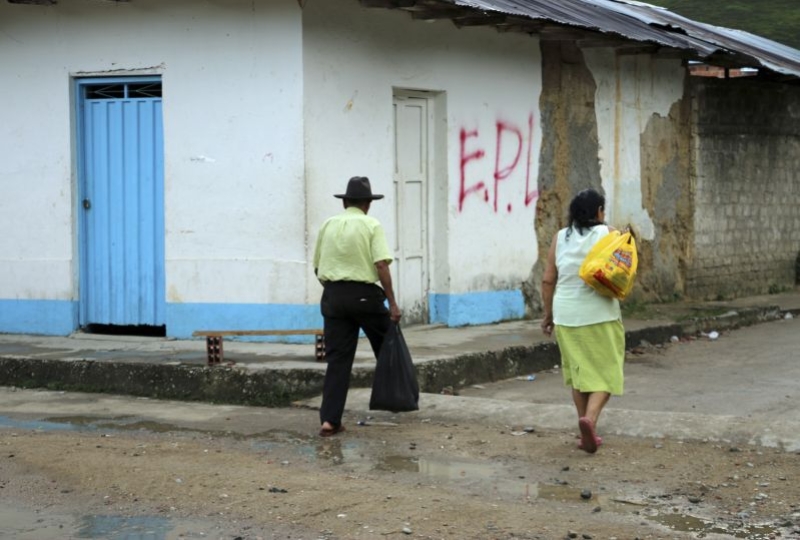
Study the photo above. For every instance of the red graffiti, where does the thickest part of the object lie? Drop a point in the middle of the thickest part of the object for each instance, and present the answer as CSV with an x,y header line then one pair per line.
x,y
466,158
509,142
530,196
502,174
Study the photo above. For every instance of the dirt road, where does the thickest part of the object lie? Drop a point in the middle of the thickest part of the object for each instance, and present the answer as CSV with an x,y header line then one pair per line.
x,y
88,466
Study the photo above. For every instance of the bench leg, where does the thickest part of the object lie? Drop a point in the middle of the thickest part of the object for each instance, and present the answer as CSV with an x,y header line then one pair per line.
x,y
319,347
214,350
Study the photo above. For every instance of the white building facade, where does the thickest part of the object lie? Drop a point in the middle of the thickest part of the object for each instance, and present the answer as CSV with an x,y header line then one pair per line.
x,y
169,164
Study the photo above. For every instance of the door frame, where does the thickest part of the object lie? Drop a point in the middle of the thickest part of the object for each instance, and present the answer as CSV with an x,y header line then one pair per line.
x,y
78,86
435,194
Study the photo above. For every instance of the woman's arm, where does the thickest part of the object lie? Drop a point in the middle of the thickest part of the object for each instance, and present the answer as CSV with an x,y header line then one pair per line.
x,y
549,287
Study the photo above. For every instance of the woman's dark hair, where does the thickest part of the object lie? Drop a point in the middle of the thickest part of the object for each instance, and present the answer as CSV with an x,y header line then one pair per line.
x,y
583,209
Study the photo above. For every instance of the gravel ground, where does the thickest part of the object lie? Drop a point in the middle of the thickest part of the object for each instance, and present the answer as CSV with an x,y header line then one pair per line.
x,y
401,477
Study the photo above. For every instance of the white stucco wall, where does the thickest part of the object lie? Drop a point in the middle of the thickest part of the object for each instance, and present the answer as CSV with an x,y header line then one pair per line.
x,y
269,108
354,58
234,194
630,89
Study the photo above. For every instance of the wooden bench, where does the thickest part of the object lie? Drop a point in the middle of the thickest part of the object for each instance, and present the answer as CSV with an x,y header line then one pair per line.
x,y
214,340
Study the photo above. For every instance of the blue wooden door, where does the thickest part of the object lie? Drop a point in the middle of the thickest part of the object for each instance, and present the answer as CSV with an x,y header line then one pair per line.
x,y
121,169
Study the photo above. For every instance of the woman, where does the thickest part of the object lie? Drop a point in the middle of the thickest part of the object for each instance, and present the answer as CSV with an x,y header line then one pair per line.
x,y
588,326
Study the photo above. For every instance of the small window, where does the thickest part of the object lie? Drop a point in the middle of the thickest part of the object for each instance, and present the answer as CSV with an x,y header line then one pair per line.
x,y
124,91
145,90
110,91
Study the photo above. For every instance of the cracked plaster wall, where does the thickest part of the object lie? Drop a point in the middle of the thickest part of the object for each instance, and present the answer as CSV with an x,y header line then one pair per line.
x,y
621,124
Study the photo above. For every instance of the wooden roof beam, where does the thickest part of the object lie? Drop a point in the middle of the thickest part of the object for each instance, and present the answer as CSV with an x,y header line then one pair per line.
x,y
389,4
521,24
435,14
479,20
564,33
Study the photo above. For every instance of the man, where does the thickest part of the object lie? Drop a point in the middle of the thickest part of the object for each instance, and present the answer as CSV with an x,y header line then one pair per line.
x,y
351,255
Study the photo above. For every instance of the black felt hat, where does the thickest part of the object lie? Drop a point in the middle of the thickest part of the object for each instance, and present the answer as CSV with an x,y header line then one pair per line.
x,y
358,188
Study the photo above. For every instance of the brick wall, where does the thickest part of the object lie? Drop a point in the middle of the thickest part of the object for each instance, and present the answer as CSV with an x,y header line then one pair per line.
x,y
746,154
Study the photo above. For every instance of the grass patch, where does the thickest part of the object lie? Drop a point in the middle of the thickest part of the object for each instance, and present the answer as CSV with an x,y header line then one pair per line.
x,y
637,309
703,313
778,20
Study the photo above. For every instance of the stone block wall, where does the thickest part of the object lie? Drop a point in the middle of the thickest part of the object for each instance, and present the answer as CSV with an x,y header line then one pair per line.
x,y
746,154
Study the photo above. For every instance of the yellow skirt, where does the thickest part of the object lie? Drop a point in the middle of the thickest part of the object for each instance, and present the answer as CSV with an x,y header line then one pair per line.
x,y
592,356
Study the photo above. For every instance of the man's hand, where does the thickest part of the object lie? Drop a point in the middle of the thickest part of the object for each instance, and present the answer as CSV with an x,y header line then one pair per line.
x,y
385,278
394,312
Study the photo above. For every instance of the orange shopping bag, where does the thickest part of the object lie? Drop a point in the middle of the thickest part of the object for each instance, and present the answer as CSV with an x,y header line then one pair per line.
x,y
610,266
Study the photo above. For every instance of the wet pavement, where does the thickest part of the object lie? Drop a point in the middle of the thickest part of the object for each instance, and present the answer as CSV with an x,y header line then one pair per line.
x,y
664,392
25,524
495,479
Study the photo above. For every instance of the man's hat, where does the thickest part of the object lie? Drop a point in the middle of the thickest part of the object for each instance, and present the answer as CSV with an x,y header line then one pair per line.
x,y
358,188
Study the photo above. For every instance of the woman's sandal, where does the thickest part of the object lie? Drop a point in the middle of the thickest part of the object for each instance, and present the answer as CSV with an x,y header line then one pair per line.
x,y
598,440
589,438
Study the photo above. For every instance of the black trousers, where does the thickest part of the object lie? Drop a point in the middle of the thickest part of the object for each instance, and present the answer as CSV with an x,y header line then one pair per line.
x,y
348,307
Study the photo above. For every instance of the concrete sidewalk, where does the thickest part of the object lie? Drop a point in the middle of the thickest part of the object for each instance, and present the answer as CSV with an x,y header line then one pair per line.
x,y
274,374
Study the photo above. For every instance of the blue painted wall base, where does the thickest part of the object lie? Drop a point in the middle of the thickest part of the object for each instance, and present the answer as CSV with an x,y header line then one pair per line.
x,y
183,319
42,317
60,317
476,308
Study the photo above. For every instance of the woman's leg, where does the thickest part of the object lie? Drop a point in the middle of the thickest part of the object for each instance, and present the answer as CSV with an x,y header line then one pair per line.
x,y
595,402
589,404
581,400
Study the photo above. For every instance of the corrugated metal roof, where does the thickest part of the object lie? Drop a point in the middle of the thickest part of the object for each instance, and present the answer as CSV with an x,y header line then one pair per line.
x,y
652,24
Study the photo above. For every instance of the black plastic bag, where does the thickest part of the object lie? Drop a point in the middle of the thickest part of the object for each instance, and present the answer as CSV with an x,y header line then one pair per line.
x,y
394,387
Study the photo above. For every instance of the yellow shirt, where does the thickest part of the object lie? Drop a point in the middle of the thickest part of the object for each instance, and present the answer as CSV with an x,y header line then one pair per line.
x,y
348,246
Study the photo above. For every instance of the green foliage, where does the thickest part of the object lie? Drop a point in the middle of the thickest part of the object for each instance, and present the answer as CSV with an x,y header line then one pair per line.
x,y
778,20
705,313
633,308
778,289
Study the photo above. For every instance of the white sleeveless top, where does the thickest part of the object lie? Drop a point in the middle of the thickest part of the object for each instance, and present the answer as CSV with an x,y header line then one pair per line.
x,y
575,303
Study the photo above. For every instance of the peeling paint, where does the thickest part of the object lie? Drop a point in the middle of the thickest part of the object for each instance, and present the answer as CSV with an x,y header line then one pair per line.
x,y
629,90
202,159
667,197
569,153
350,102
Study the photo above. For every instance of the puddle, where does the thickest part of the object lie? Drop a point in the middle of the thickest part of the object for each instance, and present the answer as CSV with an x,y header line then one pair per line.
x,y
490,478
339,452
687,523
136,528
499,480
36,425
85,423
335,451
271,438
22,524
80,423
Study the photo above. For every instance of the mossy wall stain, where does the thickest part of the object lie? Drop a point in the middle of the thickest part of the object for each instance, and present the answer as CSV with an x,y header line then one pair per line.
x,y
667,195
568,161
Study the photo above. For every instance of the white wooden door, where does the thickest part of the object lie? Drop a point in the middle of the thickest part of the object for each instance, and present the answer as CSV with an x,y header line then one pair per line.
x,y
411,206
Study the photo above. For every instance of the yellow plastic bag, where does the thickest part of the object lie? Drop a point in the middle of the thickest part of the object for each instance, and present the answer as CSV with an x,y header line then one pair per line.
x,y
610,267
